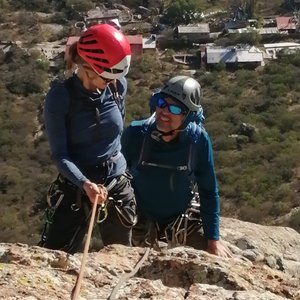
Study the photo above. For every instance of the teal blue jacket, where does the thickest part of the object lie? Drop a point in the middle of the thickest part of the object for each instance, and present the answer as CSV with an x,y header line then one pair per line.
x,y
164,192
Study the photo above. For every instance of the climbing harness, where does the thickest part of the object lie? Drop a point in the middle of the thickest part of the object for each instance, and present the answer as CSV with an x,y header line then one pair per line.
x,y
176,232
54,197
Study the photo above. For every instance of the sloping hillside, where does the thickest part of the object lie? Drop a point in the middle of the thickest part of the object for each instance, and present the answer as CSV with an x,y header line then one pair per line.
x,y
252,117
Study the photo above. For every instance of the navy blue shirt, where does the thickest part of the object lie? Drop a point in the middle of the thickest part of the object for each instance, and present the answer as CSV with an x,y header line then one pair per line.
x,y
163,193
84,132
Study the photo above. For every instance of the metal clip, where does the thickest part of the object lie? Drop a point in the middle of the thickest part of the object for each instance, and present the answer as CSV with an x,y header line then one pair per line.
x,y
102,213
75,207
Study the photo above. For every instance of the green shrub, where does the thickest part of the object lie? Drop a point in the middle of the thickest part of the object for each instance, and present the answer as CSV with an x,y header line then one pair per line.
x,y
294,221
251,214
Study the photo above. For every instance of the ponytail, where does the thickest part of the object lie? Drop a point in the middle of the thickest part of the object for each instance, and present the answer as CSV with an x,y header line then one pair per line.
x,y
73,58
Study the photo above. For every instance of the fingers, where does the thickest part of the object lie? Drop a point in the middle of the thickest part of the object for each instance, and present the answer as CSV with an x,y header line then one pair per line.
x,y
217,248
90,188
102,194
95,192
225,254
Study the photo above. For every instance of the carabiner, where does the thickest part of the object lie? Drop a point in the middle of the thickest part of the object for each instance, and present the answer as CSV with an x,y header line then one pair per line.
x,y
102,213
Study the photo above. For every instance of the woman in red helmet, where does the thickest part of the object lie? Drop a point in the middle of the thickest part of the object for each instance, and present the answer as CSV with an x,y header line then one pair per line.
x,y
84,121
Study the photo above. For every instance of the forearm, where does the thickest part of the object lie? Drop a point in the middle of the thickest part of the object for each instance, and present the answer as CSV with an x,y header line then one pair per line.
x,y
210,223
210,212
69,170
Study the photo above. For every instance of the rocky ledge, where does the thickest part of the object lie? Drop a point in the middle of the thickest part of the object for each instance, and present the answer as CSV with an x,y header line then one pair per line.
x,y
266,265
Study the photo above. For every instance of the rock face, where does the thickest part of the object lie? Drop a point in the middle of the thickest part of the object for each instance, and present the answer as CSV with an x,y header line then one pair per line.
x,y
266,265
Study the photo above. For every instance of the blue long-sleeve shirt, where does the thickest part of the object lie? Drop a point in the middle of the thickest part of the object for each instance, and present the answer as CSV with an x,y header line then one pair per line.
x,y
164,193
84,130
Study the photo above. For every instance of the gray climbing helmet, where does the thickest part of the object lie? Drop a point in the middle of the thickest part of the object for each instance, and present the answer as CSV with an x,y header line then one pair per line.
x,y
186,90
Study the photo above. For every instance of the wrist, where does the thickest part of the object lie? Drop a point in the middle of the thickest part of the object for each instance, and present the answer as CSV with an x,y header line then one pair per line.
x,y
86,185
212,243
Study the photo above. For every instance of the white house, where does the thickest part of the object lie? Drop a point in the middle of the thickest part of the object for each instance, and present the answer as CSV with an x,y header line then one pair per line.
x,y
193,33
272,49
233,55
149,43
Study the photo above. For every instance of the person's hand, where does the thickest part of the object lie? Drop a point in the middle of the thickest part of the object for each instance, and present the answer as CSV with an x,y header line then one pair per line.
x,y
95,192
217,248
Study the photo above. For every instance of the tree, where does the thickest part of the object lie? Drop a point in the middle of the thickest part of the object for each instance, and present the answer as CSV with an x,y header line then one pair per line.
x,y
183,11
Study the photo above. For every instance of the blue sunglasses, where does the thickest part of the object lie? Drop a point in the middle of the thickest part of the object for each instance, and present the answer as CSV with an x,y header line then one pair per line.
x,y
172,108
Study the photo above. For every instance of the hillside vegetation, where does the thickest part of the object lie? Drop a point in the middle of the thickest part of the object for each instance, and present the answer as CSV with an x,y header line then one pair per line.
x,y
251,116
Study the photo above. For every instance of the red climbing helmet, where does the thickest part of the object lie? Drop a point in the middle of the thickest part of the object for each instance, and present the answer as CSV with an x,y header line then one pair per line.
x,y
106,50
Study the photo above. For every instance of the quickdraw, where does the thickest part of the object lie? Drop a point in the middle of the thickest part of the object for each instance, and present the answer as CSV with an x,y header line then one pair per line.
x,y
50,211
176,233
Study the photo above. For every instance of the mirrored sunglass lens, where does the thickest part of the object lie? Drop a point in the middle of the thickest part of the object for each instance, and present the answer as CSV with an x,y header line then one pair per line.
x,y
161,103
175,110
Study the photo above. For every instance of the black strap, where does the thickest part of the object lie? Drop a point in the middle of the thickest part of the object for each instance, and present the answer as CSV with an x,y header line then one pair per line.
x,y
146,150
69,84
115,88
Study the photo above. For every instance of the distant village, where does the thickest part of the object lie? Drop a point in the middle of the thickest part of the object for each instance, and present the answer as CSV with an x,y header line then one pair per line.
x,y
144,37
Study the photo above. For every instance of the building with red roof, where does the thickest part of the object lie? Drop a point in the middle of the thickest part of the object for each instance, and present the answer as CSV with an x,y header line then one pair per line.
x,y
288,24
136,45
71,40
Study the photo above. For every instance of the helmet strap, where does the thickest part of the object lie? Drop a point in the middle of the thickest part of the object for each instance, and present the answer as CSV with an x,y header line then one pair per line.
x,y
158,134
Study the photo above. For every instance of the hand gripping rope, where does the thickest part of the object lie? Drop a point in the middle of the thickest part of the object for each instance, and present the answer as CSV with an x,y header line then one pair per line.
x,y
76,289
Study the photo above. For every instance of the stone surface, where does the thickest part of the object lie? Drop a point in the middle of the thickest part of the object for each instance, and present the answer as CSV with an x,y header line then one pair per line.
x,y
265,267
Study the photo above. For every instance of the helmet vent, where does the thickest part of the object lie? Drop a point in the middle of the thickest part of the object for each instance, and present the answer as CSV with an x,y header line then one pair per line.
x,y
91,42
116,71
87,35
108,70
100,51
98,59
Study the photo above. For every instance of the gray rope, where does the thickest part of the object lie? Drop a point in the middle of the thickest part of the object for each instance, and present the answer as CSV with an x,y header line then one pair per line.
x,y
127,276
